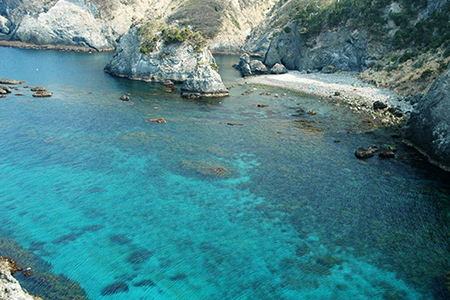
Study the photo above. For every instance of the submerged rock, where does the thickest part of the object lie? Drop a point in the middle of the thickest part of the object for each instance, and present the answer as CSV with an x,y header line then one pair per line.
x,y
42,94
115,288
428,128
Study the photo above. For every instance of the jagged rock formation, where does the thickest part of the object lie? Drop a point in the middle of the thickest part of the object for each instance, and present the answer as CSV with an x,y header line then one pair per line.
x,y
249,67
342,50
66,23
5,25
175,61
204,82
428,128
10,288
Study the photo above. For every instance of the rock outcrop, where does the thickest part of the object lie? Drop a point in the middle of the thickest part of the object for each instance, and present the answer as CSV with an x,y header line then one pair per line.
x,y
97,24
5,25
66,23
204,82
338,50
10,288
249,67
180,62
428,128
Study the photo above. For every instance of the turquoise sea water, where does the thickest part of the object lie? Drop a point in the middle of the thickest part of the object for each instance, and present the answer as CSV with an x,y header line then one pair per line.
x,y
273,206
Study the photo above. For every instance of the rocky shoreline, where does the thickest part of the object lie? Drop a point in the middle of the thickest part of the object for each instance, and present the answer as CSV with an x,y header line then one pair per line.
x,y
10,288
344,87
23,45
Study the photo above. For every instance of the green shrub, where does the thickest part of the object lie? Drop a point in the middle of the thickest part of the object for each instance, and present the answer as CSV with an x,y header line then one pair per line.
x,y
287,29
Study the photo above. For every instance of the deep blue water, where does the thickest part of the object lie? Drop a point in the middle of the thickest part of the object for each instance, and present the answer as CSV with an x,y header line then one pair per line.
x,y
274,207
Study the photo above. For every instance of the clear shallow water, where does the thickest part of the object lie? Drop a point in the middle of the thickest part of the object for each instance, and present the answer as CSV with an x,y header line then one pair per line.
x,y
270,208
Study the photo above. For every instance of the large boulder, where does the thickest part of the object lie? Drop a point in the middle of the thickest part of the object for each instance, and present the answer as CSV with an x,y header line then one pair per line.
x,y
66,23
428,128
204,82
249,67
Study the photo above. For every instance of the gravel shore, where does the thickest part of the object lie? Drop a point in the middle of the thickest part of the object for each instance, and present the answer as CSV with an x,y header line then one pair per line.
x,y
345,85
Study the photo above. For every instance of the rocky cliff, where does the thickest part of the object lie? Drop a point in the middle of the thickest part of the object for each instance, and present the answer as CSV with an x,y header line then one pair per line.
x,y
165,57
99,24
10,288
428,128
343,49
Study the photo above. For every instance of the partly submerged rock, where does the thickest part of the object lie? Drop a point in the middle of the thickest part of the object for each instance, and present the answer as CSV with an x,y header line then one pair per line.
x,y
10,81
42,94
204,82
428,128
366,152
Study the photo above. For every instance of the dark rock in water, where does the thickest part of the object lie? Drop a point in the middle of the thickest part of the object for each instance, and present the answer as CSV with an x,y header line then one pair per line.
x,y
278,69
205,82
379,105
387,152
428,128
2,96
366,152
125,97
157,120
6,89
37,89
42,94
10,81
115,288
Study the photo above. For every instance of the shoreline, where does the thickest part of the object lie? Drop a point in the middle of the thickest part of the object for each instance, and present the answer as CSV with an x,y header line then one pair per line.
x,y
23,45
342,86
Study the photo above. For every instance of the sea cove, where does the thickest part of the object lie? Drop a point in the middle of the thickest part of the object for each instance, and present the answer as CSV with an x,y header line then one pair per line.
x,y
245,197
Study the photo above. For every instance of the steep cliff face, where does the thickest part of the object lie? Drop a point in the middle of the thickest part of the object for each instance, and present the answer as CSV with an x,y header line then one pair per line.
x,y
66,23
98,24
341,50
428,128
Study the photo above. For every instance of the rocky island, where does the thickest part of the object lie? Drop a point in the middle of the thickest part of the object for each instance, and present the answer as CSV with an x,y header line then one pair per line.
x,y
176,55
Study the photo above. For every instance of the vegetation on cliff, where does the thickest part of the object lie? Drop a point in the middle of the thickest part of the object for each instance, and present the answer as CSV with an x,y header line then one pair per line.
x,y
151,36
415,35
